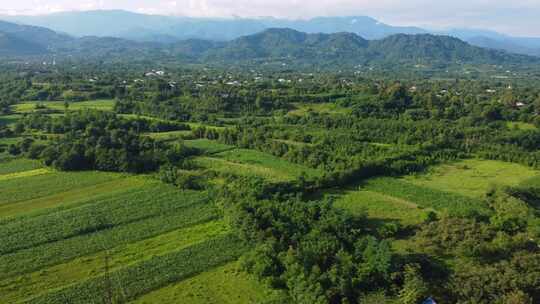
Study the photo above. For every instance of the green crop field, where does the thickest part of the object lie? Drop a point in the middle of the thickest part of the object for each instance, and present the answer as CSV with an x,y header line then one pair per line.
x,y
19,165
169,136
91,265
302,109
380,206
30,106
266,164
135,280
457,188
520,126
62,239
223,285
71,198
27,173
473,177
254,163
426,197
194,125
16,190
208,146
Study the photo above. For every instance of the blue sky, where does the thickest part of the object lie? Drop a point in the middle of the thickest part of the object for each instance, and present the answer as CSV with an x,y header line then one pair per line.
x,y
518,17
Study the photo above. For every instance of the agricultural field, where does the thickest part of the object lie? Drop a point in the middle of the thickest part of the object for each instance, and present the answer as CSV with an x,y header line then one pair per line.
x,y
251,162
208,146
223,285
521,126
380,207
473,177
49,184
169,136
30,106
302,109
76,232
354,186
19,165
457,188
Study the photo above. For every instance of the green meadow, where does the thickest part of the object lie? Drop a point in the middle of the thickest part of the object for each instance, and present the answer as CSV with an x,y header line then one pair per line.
x,y
473,177
30,106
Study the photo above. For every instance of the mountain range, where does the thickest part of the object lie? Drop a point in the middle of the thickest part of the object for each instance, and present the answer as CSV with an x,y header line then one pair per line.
x,y
169,29
273,44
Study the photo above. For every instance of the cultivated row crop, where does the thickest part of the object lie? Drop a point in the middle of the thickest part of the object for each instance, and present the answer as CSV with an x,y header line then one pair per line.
x,y
134,206
136,280
38,257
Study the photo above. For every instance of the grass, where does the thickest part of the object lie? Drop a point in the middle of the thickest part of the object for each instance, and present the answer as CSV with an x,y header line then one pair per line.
x,y
23,189
380,206
520,125
264,164
533,182
473,177
19,165
29,285
28,173
30,106
208,146
169,136
302,109
195,125
425,197
223,285
70,198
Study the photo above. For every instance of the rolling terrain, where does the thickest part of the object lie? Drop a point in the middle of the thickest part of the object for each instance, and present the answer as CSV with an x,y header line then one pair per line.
x,y
271,45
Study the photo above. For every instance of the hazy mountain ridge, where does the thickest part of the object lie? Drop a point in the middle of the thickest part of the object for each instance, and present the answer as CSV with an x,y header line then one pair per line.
x,y
35,35
10,44
168,29
271,44
136,26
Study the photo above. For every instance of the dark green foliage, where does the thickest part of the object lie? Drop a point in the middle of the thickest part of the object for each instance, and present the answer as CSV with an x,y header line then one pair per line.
x,y
102,141
319,254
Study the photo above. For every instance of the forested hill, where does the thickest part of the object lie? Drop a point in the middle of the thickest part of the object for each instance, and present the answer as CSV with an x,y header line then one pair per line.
x,y
330,50
275,43
10,44
351,48
33,35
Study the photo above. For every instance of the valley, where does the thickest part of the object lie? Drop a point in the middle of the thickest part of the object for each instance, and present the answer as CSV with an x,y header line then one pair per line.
x,y
282,165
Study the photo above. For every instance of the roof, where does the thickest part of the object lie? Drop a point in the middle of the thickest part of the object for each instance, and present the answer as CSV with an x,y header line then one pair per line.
x,y
429,301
